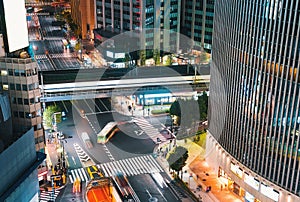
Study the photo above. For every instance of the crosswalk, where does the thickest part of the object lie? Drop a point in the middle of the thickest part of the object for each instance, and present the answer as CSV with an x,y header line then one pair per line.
x,y
46,196
40,57
129,167
62,55
152,132
52,38
56,55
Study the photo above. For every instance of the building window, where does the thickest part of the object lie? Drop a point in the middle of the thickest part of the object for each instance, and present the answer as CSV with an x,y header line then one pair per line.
x,y
10,72
30,86
12,86
17,73
20,101
24,87
28,115
22,72
5,87
13,100
18,86
21,114
3,73
26,102
15,114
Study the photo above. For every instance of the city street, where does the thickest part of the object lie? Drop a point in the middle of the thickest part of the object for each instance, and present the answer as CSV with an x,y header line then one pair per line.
x,y
146,187
129,151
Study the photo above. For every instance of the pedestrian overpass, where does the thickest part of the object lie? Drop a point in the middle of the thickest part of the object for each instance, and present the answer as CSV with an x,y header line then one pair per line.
x,y
90,84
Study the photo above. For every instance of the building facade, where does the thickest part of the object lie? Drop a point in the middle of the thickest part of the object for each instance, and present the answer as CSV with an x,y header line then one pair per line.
x,y
19,79
197,22
83,14
19,174
253,140
157,21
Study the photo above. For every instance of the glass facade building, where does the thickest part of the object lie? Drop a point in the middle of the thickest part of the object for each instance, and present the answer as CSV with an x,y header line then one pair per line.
x,y
254,98
158,21
197,22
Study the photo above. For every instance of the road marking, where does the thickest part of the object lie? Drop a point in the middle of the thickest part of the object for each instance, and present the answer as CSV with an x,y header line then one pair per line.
x,y
74,160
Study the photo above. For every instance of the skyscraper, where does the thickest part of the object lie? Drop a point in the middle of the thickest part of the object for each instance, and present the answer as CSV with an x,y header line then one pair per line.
x,y
197,22
254,98
19,76
83,14
18,159
19,83
156,16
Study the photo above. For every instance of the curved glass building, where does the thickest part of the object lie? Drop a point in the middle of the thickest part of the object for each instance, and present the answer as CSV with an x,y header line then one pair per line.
x,y
255,99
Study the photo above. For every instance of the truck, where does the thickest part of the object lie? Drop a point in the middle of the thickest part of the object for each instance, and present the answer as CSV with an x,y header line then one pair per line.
x,y
86,139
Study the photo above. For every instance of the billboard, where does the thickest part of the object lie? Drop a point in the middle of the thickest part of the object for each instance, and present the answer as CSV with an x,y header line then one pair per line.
x,y
16,25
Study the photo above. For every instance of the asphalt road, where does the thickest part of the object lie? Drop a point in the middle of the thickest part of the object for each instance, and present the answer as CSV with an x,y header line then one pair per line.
x,y
130,141
124,144
145,187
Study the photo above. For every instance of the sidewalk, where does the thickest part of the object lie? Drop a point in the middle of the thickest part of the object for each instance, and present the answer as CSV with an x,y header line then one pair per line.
x,y
197,166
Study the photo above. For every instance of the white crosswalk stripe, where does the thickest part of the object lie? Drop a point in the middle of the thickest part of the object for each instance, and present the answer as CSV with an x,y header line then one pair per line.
x,y
152,132
56,55
39,57
131,166
79,173
62,55
45,196
53,38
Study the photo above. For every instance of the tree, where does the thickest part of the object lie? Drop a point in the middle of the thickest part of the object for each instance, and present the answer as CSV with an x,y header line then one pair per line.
x,y
156,56
169,60
175,108
143,57
203,106
177,159
126,60
203,57
48,115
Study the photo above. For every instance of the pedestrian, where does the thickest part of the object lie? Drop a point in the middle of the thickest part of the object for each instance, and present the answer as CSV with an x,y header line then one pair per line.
x,y
197,176
221,187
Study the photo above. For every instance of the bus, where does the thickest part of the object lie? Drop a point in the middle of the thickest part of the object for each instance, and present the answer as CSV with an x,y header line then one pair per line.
x,y
107,132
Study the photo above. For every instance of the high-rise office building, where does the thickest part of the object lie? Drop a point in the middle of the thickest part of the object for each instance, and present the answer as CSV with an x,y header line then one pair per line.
x,y
254,140
19,76
197,22
83,14
18,159
161,18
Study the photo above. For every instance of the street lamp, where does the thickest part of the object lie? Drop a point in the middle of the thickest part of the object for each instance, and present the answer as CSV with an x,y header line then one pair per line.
x,y
54,119
62,155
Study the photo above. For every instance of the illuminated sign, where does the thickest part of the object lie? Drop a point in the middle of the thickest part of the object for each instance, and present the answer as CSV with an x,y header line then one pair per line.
x,y
249,197
16,25
236,170
110,54
269,192
119,55
251,181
